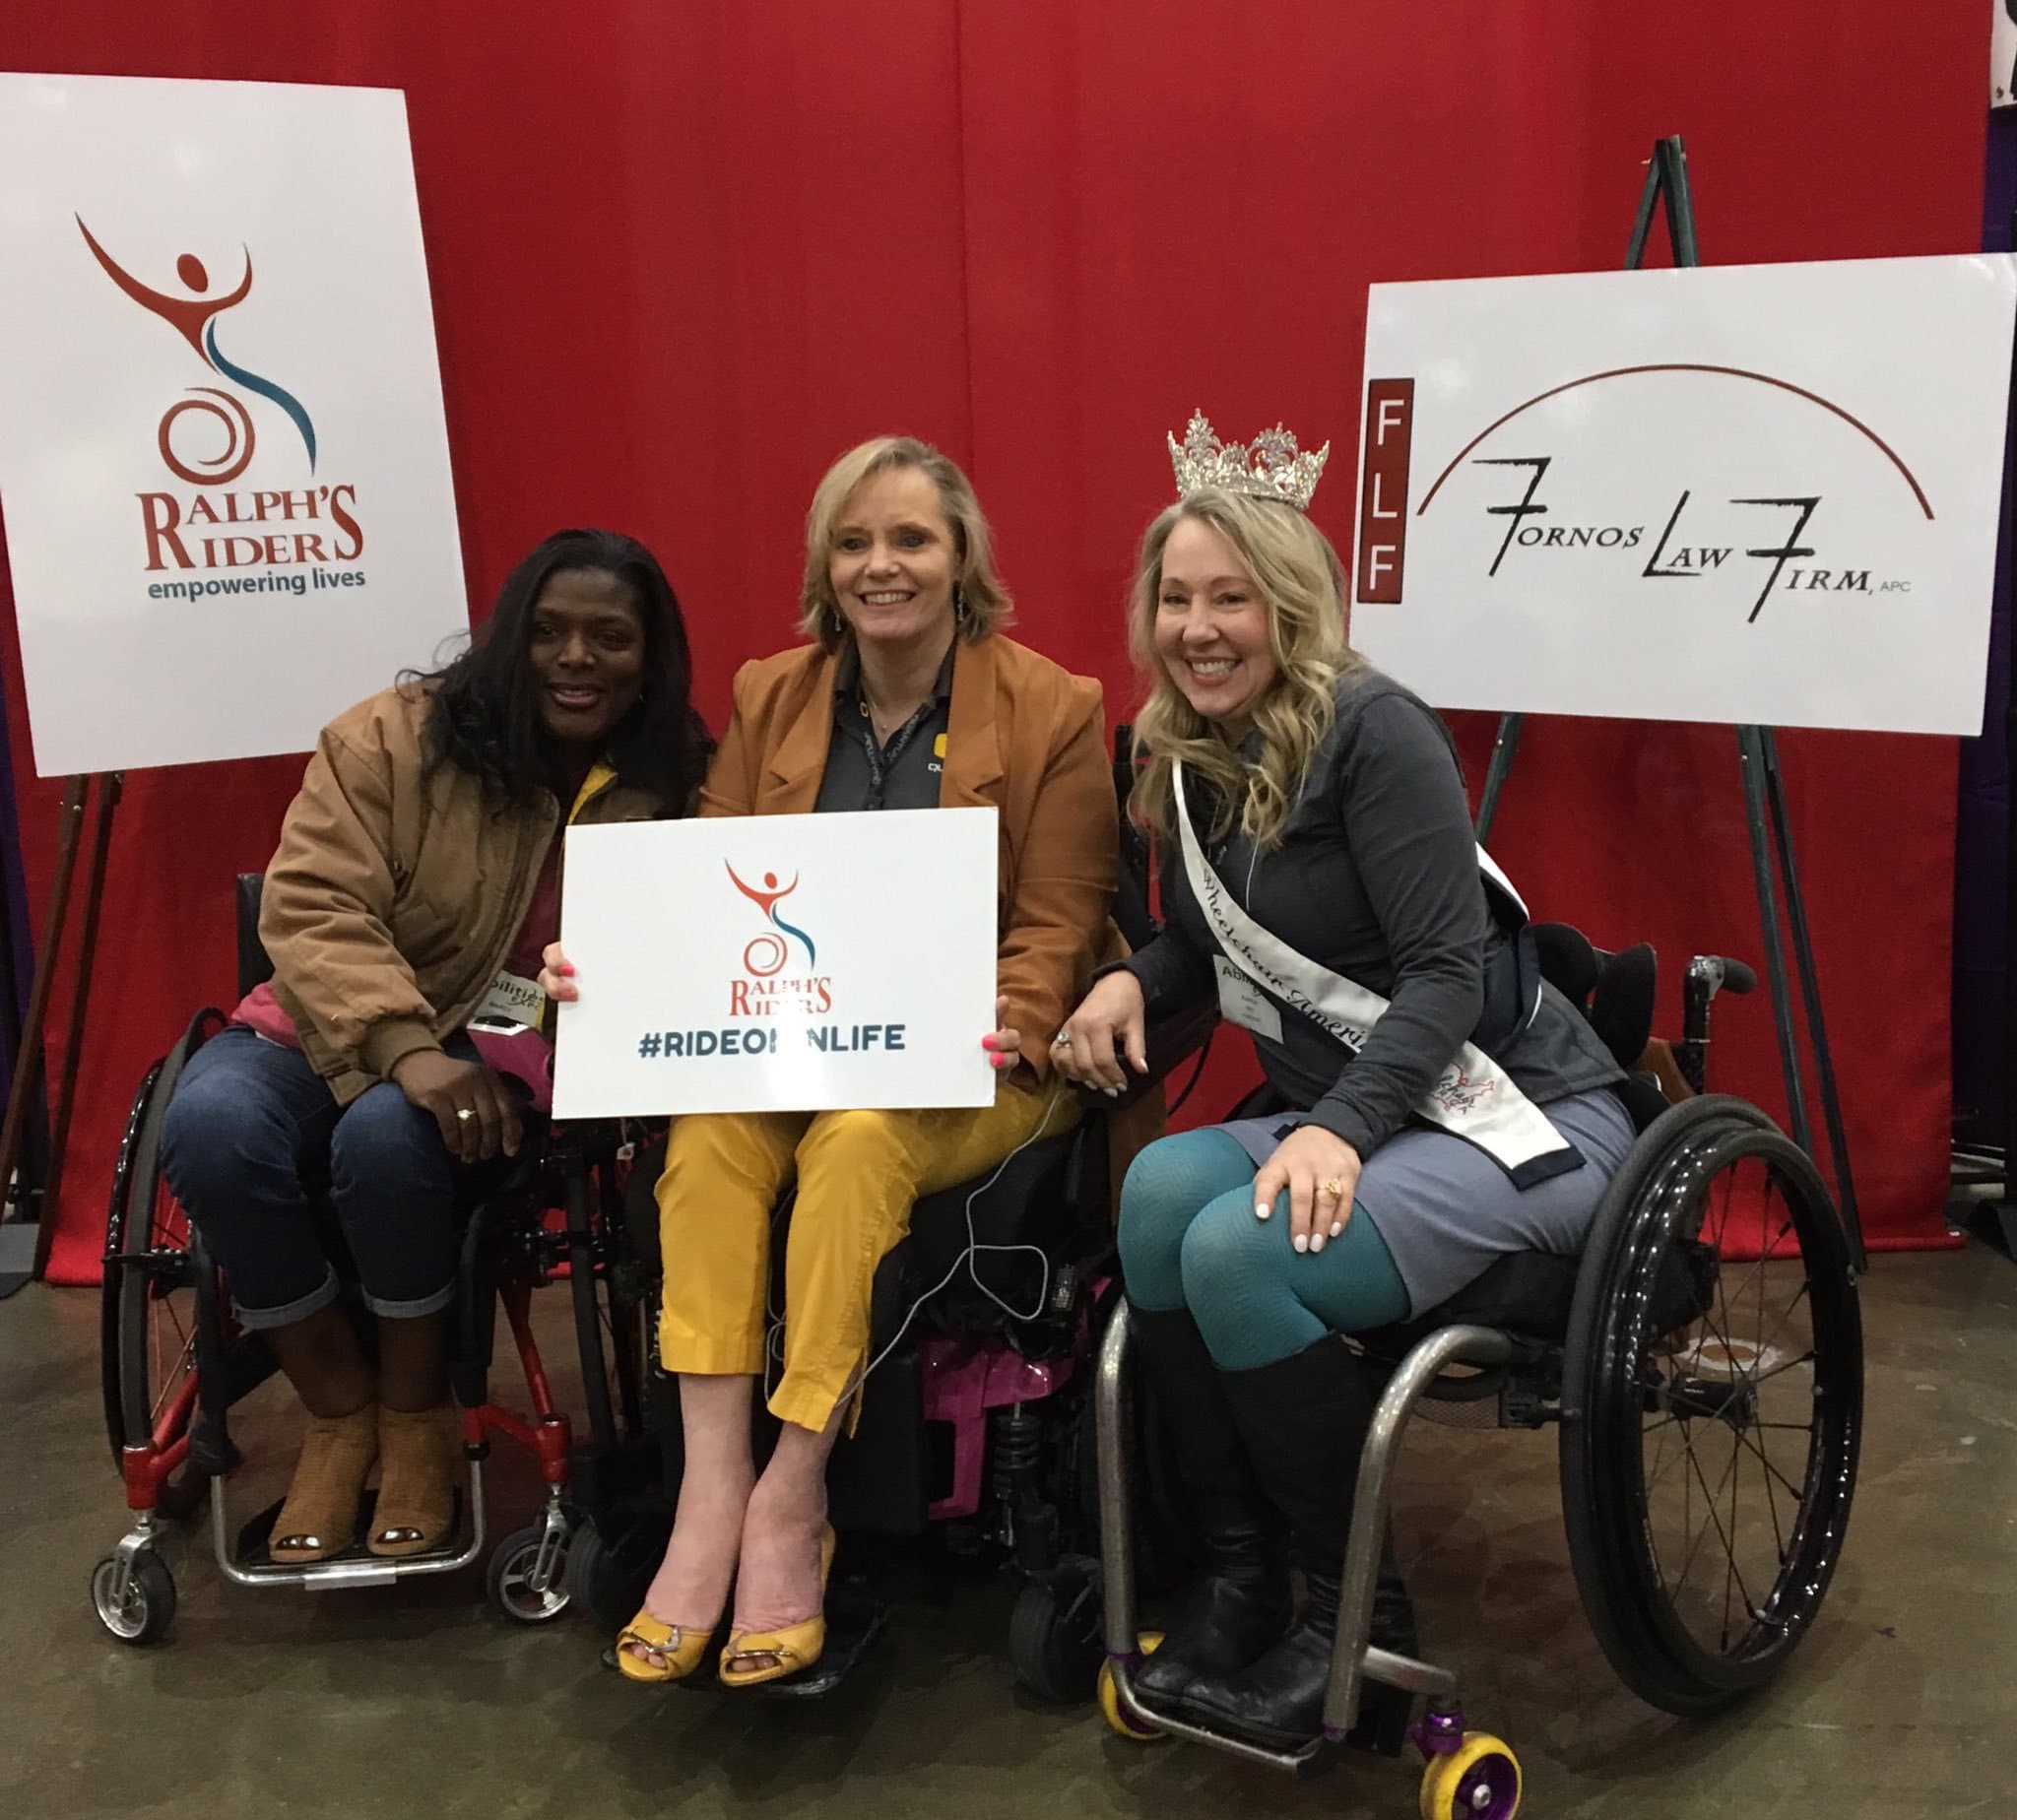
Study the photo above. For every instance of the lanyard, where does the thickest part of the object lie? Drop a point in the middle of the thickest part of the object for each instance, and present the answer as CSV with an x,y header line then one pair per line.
x,y
883,758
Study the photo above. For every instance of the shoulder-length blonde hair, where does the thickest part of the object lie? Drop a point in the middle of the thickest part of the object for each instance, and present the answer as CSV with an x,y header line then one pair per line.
x,y
981,603
1302,587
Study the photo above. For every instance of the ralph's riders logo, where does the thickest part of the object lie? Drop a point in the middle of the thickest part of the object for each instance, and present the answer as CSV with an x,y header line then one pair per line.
x,y
268,532
761,992
1682,548
766,1002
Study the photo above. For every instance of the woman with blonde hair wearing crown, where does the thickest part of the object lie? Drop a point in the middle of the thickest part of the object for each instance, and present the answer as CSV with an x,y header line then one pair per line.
x,y
1320,878
906,696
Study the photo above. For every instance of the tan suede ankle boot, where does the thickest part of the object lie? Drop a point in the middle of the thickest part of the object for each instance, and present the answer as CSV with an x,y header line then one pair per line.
x,y
417,1454
320,1516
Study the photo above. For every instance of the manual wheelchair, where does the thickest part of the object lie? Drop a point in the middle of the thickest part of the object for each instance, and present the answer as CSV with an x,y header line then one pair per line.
x,y
1704,1352
173,1363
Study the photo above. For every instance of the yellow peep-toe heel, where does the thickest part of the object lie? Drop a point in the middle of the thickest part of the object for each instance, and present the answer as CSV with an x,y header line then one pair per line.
x,y
682,1645
796,1647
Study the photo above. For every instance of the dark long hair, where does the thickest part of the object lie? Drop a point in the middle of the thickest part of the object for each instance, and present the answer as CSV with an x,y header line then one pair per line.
x,y
485,717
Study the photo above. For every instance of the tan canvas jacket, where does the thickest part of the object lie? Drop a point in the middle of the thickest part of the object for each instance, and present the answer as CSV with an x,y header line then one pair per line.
x,y
394,897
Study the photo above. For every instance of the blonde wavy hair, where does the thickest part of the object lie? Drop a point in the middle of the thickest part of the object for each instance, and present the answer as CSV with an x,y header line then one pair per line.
x,y
981,603
1301,584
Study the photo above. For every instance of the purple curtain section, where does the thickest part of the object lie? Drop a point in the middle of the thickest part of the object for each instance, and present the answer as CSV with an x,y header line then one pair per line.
x,y
1982,1031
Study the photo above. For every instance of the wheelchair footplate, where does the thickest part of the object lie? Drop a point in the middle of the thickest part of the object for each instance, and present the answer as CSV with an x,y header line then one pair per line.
x,y
253,1552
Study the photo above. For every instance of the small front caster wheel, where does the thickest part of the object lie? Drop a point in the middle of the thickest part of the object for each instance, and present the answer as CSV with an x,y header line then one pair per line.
x,y
146,1609
510,1578
1477,1780
1110,1696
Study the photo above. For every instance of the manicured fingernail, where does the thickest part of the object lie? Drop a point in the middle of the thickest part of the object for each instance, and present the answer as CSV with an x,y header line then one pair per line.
x,y
1316,1243
1338,1229
1262,1210
1301,1241
987,1042
1113,1093
567,970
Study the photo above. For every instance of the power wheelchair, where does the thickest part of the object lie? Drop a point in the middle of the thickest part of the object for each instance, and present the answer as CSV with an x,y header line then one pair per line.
x,y
173,1364
1701,1361
976,1419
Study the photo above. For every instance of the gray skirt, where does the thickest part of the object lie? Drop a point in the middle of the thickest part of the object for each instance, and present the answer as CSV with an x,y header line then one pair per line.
x,y
1445,1211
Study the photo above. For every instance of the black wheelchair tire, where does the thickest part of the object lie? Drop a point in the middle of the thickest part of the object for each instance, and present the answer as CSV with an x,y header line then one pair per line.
x,y
115,1274
609,1575
1645,1213
1055,1640
131,1292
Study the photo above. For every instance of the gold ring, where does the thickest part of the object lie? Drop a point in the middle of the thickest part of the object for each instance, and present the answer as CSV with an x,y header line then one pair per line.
x,y
1332,1186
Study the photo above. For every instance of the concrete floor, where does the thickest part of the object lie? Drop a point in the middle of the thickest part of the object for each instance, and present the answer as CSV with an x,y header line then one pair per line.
x,y
418,1701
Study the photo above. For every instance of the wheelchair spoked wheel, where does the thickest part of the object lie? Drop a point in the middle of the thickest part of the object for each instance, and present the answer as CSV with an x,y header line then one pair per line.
x,y
1713,1407
149,1302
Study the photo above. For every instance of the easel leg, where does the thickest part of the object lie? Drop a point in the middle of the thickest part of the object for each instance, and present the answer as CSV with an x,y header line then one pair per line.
x,y
110,790
1751,759
28,1064
1811,994
1504,749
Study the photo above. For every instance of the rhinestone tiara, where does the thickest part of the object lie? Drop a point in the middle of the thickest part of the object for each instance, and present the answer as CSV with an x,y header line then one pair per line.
x,y
1270,469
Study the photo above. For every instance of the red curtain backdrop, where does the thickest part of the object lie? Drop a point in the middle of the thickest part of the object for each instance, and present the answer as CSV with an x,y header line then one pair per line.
x,y
682,253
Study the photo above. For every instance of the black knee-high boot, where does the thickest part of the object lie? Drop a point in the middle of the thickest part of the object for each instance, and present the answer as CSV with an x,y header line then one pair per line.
x,y
1242,1605
1304,1419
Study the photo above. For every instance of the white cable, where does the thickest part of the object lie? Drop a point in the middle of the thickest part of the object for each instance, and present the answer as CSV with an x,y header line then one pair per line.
x,y
774,1339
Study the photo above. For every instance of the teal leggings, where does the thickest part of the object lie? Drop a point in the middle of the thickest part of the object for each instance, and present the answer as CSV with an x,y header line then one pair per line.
x,y
1188,1238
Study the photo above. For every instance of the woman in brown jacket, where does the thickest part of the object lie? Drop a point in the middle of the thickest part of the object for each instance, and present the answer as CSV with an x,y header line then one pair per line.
x,y
416,884
907,697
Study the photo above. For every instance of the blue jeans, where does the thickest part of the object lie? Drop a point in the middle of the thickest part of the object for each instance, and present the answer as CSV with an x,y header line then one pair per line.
x,y
261,1157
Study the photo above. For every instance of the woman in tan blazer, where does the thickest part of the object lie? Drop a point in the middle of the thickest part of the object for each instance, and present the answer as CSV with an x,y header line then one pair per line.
x,y
907,697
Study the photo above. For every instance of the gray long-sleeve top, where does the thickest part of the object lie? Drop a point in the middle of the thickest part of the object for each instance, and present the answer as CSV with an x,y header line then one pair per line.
x,y
1376,878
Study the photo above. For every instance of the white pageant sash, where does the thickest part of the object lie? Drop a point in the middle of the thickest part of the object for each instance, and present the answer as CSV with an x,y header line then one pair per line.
x,y
1475,1098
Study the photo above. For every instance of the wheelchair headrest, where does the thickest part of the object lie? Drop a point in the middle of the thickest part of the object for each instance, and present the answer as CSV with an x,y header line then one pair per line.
x,y
1567,961
1621,1006
1613,990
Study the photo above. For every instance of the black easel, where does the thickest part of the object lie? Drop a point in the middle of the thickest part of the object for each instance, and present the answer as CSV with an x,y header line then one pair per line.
x,y
1666,184
33,1200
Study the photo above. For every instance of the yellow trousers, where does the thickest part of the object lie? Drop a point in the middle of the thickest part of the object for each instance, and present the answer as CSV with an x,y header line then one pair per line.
x,y
858,1173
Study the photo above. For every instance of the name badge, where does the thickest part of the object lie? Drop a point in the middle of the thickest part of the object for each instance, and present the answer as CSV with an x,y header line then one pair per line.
x,y
512,999
1243,1003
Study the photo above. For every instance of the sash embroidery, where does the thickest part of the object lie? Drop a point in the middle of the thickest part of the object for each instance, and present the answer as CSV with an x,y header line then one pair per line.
x,y
1474,1098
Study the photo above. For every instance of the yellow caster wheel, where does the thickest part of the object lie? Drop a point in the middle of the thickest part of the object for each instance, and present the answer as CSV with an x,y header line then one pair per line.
x,y
1110,1698
1479,1781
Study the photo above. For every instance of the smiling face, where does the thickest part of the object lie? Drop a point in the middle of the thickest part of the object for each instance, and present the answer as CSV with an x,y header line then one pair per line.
x,y
893,560
1211,630
586,649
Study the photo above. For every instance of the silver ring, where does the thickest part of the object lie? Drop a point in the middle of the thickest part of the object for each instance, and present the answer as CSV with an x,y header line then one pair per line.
x,y
1061,1041
465,1113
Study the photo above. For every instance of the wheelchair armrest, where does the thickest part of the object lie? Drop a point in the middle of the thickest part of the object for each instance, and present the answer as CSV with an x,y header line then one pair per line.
x,y
1168,1041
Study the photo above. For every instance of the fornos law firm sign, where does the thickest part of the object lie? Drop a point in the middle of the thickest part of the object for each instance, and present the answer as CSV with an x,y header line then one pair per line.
x,y
1759,495
223,458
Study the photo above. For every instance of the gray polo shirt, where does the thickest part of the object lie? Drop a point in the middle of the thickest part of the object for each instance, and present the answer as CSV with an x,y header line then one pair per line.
x,y
902,772
1376,878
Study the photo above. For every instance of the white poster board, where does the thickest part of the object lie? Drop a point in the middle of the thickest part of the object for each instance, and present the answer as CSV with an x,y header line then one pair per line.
x,y
779,963
223,458
1763,495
